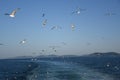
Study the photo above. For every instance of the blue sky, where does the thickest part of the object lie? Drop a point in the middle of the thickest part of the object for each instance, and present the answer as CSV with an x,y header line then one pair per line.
x,y
94,31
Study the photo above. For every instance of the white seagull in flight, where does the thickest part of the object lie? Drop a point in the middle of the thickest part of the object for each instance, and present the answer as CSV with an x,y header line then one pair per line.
x,y
78,11
23,41
12,14
72,27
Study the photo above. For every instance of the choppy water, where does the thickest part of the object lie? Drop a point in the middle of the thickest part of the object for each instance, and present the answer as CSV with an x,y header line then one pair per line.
x,y
48,70
15,69
77,68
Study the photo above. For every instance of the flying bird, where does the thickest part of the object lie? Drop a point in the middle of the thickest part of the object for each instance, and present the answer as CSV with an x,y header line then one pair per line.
x,y
72,27
55,50
64,43
43,51
23,41
43,14
44,22
12,14
78,11
55,27
110,14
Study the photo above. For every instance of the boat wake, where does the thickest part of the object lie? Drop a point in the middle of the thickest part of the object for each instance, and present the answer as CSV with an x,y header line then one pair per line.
x,y
53,70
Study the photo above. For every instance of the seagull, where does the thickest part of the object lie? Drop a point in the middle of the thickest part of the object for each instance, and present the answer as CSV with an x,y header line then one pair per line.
x,y
55,50
78,11
44,22
43,14
23,41
55,27
110,14
43,50
12,14
73,27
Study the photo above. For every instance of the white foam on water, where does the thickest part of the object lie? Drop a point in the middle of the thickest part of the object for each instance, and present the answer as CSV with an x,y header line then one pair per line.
x,y
54,67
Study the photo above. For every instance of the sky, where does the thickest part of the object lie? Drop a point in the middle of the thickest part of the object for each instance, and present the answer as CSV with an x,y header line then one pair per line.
x,y
96,27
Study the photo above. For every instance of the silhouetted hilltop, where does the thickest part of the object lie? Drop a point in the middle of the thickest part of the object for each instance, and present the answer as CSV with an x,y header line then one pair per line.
x,y
97,54
112,54
21,57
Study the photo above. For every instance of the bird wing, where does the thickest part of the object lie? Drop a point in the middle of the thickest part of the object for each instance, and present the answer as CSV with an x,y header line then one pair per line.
x,y
20,42
14,11
44,22
43,15
53,28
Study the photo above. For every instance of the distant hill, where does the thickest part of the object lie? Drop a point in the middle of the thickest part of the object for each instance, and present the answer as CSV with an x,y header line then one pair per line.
x,y
21,57
45,56
97,54
113,54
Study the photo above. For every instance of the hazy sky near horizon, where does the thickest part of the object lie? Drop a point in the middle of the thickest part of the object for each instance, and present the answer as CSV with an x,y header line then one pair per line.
x,y
95,30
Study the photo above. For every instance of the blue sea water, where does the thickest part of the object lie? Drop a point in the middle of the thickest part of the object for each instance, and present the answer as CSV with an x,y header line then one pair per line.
x,y
59,68
13,69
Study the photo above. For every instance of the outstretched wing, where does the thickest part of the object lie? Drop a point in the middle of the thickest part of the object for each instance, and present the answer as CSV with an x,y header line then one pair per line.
x,y
14,11
44,22
53,27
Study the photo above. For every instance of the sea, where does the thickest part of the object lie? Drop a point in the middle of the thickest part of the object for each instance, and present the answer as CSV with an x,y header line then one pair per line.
x,y
61,68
